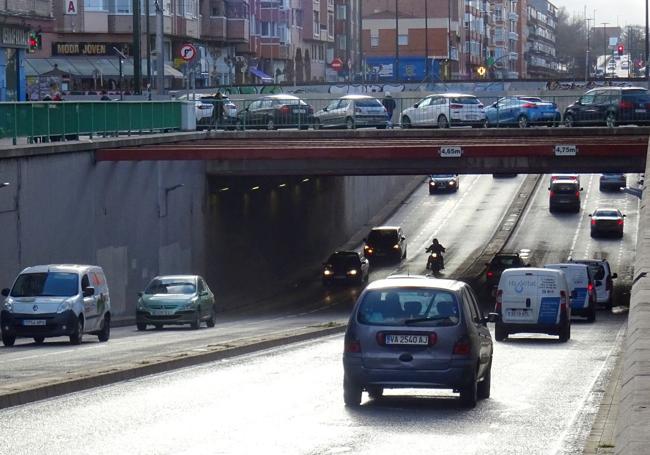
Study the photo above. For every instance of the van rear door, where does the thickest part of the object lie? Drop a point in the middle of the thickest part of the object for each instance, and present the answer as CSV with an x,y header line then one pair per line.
x,y
519,296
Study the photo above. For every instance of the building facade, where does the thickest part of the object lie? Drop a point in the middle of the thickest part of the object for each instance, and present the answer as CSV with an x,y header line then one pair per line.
x,y
510,31
541,53
19,20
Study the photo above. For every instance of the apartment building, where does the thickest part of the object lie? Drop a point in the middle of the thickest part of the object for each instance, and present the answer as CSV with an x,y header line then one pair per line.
x,y
510,31
541,53
19,19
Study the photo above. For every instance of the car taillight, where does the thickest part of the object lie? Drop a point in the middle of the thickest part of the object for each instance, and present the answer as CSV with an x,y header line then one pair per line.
x,y
433,338
593,222
497,307
284,109
620,222
624,104
352,346
590,288
455,106
463,346
529,106
490,274
563,301
577,193
552,193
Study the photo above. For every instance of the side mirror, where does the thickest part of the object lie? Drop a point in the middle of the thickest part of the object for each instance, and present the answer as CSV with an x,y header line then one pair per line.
x,y
590,215
140,294
493,317
325,109
549,188
89,291
416,105
403,238
614,275
624,215
5,292
581,189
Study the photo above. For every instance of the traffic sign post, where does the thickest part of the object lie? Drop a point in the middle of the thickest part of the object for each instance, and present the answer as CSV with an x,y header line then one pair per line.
x,y
337,64
188,52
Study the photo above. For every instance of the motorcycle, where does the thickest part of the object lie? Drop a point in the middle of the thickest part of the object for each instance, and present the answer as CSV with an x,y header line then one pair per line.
x,y
434,263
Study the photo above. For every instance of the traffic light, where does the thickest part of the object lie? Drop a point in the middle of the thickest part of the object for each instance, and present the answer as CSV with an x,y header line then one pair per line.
x,y
34,41
620,49
481,70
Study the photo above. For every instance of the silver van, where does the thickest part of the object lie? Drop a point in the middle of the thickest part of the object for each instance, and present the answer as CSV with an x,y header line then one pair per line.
x,y
57,300
417,332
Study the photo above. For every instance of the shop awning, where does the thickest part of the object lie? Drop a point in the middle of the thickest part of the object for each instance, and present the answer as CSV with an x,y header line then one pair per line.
x,y
261,74
89,67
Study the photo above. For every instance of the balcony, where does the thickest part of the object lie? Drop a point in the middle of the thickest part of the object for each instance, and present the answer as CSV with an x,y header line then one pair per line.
x,y
237,30
213,28
513,36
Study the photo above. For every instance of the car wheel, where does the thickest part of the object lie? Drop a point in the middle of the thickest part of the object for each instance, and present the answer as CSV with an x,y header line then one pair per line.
x,y
565,332
406,122
349,123
375,392
469,393
8,339
500,333
141,327
351,392
317,125
443,122
196,323
39,340
270,124
213,318
486,124
483,388
105,333
522,121
77,335
568,121
610,120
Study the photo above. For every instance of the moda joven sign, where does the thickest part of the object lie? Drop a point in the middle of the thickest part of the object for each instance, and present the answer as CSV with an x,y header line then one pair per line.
x,y
91,49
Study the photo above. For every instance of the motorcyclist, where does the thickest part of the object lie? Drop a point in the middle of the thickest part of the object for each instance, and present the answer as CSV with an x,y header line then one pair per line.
x,y
436,247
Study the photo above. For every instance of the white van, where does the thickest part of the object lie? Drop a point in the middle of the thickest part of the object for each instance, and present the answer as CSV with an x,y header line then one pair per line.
x,y
603,276
57,300
533,300
581,287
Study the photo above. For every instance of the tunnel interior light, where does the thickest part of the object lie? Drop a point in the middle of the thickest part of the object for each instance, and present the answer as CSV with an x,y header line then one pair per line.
x,y
305,180
255,188
282,185
225,188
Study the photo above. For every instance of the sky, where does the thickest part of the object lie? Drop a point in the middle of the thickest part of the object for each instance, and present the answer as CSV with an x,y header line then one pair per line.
x,y
625,12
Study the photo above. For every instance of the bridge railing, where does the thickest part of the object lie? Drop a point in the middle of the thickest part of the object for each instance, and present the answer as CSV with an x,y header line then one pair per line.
x,y
63,120
599,109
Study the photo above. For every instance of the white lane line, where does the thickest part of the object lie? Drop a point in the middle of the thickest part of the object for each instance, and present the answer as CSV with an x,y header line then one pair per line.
x,y
582,217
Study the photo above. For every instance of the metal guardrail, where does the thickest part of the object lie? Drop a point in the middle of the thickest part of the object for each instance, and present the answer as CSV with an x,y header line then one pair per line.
x,y
62,120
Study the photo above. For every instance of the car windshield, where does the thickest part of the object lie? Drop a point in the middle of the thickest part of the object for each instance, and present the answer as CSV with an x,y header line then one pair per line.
x,y
443,176
368,103
409,306
383,237
170,286
464,100
46,284
606,213
344,260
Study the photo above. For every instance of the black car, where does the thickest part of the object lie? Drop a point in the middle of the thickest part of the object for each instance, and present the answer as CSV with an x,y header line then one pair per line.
x,y
345,267
276,111
498,264
443,182
564,194
610,106
385,242
606,221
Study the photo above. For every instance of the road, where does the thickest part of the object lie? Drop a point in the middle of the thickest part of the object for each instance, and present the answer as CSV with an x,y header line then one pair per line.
x,y
477,207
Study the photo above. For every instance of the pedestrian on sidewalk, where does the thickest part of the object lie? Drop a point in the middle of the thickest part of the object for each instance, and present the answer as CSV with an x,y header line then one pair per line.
x,y
389,103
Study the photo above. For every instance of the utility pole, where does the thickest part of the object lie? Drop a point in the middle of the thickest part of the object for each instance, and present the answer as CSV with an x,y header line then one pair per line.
x,y
137,37
449,39
362,65
148,42
160,52
396,42
588,47
605,49
426,40
647,45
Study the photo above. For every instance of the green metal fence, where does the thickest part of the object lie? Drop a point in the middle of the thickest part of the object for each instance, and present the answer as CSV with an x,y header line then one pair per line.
x,y
60,120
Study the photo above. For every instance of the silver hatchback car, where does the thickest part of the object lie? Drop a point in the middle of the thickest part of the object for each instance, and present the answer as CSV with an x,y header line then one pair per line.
x,y
352,111
417,332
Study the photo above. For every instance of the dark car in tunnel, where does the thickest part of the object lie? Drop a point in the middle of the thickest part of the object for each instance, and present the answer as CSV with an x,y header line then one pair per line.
x,y
346,267
386,242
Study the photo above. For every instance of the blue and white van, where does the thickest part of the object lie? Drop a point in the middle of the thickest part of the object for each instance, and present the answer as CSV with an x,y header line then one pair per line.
x,y
581,288
533,300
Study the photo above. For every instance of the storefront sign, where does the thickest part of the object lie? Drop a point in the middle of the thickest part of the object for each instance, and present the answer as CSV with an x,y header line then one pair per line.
x,y
14,37
93,49
70,7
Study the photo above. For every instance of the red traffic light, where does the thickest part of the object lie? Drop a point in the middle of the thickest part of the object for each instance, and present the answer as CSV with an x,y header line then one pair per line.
x,y
620,49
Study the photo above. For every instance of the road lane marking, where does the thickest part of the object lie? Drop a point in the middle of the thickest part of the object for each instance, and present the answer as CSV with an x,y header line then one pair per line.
x,y
581,213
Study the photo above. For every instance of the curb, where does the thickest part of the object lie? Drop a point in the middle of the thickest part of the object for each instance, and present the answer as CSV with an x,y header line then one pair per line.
x,y
154,365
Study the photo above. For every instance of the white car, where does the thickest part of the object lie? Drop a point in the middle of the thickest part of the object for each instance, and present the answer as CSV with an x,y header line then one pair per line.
x,y
444,110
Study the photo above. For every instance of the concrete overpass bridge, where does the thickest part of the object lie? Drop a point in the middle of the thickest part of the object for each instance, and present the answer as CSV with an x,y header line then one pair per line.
x,y
403,152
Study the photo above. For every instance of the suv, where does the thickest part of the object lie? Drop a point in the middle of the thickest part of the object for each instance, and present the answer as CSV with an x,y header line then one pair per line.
x,y
609,106
445,110
443,182
603,277
564,194
385,242
498,264
417,332
612,182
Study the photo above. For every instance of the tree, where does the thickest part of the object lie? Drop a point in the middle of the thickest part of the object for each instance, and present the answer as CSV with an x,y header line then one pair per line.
x,y
571,43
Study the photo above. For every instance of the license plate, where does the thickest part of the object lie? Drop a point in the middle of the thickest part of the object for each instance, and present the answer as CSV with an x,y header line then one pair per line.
x,y
420,340
301,111
163,312
34,322
640,111
518,313
472,117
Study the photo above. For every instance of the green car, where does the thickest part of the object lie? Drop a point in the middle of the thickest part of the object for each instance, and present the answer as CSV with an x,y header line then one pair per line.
x,y
175,300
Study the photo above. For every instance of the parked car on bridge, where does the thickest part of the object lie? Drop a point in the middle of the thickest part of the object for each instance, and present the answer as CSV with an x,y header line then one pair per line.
x,y
346,267
522,111
444,110
276,111
610,106
352,111
176,300
607,221
386,242
612,181
417,332
443,182
229,116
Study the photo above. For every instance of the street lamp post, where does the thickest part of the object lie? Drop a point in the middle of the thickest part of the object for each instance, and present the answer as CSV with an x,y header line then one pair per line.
x,y
426,40
396,41
647,45
588,50
605,49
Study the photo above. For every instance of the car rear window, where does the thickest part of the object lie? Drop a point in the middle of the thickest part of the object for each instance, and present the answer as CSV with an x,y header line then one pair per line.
x,y
606,213
564,188
409,307
465,100
382,236
505,261
368,103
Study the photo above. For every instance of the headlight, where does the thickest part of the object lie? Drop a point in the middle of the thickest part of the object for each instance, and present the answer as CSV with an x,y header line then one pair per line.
x,y
327,272
396,246
8,304
352,272
432,183
452,183
65,306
